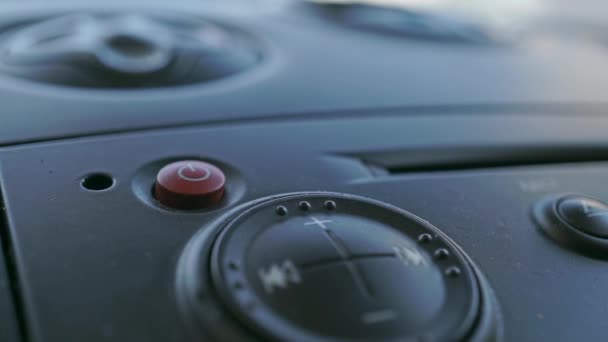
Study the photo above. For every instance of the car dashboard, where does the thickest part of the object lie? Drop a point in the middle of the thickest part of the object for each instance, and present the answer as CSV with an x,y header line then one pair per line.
x,y
302,171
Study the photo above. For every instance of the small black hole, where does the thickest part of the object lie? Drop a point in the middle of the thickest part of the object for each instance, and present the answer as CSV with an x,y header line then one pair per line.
x,y
97,182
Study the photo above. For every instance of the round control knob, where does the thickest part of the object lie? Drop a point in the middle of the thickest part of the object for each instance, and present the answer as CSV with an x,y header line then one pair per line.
x,y
577,222
586,214
331,267
189,184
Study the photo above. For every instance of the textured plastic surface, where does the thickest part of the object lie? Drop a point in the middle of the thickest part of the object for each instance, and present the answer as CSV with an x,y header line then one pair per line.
x,y
127,250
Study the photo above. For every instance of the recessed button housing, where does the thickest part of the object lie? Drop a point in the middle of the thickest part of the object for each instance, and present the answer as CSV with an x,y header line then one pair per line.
x,y
575,221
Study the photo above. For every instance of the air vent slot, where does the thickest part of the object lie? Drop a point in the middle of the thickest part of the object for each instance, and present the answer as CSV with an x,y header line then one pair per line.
x,y
459,158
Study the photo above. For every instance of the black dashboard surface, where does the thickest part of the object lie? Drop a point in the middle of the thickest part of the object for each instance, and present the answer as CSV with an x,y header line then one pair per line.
x,y
112,255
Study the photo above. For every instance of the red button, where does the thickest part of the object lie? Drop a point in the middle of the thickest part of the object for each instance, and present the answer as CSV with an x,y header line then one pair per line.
x,y
189,184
